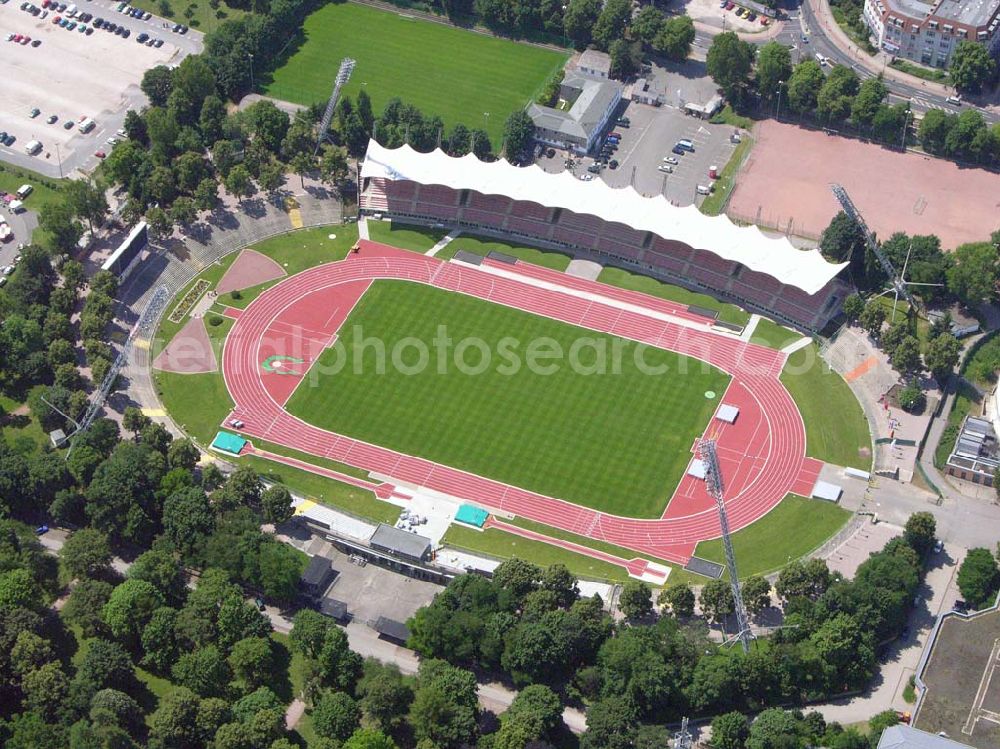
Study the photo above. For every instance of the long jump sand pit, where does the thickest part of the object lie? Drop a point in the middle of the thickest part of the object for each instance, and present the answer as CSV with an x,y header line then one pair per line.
x,y
71,75
786,182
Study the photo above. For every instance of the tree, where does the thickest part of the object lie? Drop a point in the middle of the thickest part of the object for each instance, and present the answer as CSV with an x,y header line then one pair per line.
x,y
57,219
308,633
854,306
841,239
203,671
445,707
680,598
339,666
517,576
675,38
756,594
518,136
774,69
730,731
773,729
105,665
920,532
367,738
611,724
86,199
934,129
942,356
206,195
45,690
906,356
808,579
134,420
971,66
86,553
911,397
730,62
183,211
302,164
636,600
871,94
978,578
579,19
626,58
161,570
159,640
973,277
836,96
251,660
558,579
112,707
334,166
130,608
872,318
878,723
336,715
182,453
383,696
174,725
157,83
804,86
716,599
83,609
158,221
611,22
538,706
188,520
276,504
647,23
238,183
280,570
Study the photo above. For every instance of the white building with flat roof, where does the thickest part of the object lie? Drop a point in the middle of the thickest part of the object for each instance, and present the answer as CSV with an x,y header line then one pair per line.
x,y
928,32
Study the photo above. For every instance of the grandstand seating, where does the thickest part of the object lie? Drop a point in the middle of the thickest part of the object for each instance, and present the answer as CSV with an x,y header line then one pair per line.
x,y
592,236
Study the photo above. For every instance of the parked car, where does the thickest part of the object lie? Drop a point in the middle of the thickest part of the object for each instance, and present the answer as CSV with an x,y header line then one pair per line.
x,y
158,43
677,150
100,154
37,43
670,160
666,168
52,119
142,37
68,125
34,112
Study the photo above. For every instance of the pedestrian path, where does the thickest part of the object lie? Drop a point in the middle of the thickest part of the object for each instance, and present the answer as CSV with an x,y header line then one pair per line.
x,y
444,242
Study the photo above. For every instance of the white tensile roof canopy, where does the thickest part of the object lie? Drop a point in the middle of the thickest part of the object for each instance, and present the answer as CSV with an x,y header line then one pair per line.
x,y
775,256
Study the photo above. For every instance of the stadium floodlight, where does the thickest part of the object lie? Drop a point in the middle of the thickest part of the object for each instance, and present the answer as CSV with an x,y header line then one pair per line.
x,y
713,480
343,76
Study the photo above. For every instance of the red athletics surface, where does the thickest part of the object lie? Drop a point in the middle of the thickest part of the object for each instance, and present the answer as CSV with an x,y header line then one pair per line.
x,y
762,454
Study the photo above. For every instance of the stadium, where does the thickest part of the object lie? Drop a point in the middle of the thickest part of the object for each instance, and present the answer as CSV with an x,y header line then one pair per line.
x,y
612,226
525,448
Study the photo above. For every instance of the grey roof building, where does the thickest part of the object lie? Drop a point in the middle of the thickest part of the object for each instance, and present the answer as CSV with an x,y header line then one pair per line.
x,y
594,62
588,105
902,736
977,453
400,543
318,575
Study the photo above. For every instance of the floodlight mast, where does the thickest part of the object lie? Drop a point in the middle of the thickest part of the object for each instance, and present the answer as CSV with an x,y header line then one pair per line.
x,y
895,279
713,480
343,76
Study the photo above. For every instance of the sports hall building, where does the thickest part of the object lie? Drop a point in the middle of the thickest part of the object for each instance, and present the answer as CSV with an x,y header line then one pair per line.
x,y
612,226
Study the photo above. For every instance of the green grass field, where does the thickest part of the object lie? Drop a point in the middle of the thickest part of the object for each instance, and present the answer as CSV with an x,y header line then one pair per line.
x,y
772,335
550,433
456,74
483,246
647,285
404,236
791,530
836,427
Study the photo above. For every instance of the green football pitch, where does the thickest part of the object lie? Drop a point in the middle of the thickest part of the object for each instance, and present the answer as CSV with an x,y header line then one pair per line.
x,y
458,75
618,441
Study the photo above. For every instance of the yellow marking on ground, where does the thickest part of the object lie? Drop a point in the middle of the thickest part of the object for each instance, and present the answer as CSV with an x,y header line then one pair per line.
x,y
142,343
306,504
154,412
295,216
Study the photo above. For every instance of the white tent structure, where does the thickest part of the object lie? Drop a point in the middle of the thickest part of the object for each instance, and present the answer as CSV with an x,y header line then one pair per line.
x,y
749,246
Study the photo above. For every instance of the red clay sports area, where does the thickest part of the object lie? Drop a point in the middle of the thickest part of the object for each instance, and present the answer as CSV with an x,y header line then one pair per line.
x,y
762,454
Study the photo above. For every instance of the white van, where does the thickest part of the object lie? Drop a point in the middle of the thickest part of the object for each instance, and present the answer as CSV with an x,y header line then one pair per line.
x,y
32,148
955,100
686,144
70,11
87,125
820,59
24,191
704,189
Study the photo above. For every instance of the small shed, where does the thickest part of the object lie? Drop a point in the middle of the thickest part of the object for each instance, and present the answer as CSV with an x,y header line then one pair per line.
x,y
318,575
392,629
57,437
727,413
400,543
227,442
472,515
334,609
697,469
826,490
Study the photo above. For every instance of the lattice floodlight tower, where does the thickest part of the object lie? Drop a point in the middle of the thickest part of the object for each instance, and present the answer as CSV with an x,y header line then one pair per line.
x,y
143,329
343,75
683,738
896,281
713,480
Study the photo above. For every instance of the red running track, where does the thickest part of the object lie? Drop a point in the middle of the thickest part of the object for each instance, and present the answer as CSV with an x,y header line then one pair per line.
x,y
762,455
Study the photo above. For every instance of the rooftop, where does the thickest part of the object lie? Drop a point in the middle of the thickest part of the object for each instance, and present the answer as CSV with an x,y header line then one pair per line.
x,y
747,245
586,114
902,736
975,13
400,542
593,59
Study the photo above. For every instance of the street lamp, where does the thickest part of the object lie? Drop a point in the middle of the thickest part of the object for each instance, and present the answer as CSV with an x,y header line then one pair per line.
x,y
906,124
777,114
250,58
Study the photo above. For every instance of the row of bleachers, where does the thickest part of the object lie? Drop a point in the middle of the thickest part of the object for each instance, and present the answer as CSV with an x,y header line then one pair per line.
x,y
664,261
527,209
436,211
438,194
581,222
401,205
488,218
581,239
672,248
711,262
615,232
767,284
797,296
534,228
630,251
492,203
404,189
751,292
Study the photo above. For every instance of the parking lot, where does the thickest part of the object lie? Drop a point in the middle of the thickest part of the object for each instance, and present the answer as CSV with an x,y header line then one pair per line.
x,y
651,135
73,75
